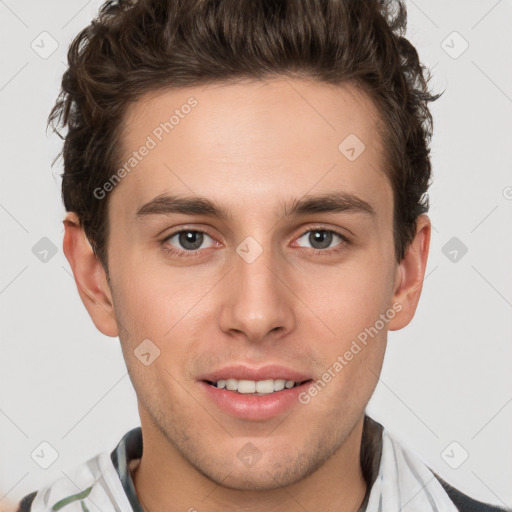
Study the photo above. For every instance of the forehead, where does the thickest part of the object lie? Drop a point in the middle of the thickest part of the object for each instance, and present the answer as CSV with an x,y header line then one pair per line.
x,y
258,139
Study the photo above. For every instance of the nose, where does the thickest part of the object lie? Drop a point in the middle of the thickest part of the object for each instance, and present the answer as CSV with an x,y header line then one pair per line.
x,y
258,303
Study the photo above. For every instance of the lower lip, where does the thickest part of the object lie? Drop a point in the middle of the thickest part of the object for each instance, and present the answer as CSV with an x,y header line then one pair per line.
x,y
253,407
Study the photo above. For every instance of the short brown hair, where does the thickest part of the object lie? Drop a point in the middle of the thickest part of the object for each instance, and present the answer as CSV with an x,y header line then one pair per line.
x,y
134,47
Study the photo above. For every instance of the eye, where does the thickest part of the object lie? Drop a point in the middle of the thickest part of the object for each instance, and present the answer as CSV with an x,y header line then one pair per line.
x,y
188,241
321,240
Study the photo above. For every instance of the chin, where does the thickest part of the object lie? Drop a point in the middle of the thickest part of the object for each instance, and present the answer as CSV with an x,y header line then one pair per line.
x,y
252,480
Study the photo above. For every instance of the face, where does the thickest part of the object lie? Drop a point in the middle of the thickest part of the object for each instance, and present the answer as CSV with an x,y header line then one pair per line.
x,y
269,290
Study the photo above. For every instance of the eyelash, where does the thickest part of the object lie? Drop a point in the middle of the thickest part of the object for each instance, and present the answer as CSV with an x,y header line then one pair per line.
x,y
191,254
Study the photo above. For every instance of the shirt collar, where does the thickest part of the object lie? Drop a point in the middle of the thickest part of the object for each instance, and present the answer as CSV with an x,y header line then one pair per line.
x,y
128,449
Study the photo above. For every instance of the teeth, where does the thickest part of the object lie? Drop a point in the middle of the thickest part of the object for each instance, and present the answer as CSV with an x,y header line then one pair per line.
x,y
231,384
279,384
246,386
263,387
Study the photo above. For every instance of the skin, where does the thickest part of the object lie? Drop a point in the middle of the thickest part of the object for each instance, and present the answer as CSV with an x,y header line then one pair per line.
x,y
249,147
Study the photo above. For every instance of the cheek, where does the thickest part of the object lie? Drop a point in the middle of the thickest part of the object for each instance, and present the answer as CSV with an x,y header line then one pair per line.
x,y
161,303
144,304
347,298
148,309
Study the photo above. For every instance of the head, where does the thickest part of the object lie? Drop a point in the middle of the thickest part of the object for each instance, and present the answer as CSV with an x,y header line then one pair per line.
x,y
281,120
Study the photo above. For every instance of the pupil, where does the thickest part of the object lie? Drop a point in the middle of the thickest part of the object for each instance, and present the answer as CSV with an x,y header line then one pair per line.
x,y
324,238
195,238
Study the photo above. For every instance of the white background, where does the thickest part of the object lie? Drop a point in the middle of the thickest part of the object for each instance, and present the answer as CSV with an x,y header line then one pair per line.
x,y
447,376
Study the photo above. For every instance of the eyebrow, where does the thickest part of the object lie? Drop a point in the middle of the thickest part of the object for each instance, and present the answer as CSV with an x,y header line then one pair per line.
x,y
336,202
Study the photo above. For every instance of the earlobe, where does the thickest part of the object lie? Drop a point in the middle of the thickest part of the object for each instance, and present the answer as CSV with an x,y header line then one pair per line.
x,y
90,277
410,274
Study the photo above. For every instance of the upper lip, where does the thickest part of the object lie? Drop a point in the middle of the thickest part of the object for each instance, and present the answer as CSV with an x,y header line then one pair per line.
x,y
243,372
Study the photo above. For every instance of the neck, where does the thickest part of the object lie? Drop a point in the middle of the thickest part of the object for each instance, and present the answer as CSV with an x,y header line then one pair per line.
x,y
164,480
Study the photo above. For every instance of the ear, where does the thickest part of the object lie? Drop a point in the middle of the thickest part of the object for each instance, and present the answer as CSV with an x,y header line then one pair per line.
x,y
90,277
410,274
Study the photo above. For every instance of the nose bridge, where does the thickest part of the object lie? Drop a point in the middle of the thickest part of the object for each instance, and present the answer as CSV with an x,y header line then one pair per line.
x,y
257,300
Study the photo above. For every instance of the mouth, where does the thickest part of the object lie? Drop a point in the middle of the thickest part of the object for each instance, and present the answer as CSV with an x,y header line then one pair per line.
x,y
254,400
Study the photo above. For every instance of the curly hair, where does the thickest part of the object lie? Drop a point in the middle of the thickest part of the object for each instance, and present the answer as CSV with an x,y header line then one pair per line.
x,y
136,46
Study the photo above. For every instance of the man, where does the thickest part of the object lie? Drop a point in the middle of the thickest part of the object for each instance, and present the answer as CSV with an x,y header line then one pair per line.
x,y
245,185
